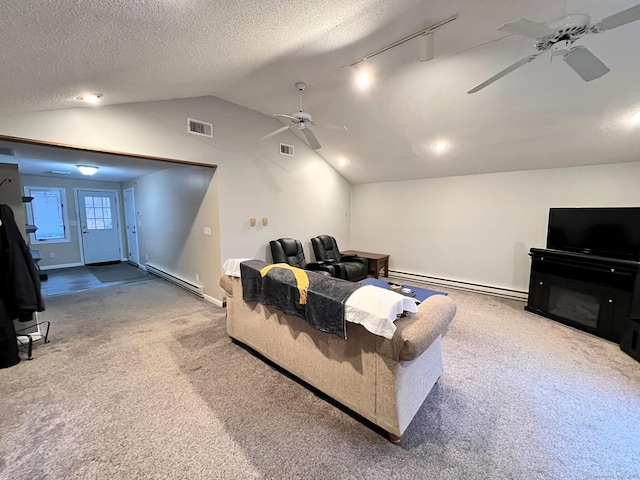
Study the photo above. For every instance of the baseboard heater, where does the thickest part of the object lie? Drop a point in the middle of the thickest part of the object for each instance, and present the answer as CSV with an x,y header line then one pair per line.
x,y
181,282
470,287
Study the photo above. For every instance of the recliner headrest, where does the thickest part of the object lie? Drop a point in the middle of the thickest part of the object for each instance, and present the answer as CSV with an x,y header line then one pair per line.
x,y
290,246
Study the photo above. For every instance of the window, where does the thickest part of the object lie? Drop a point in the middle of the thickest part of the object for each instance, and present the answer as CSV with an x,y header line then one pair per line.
x,y
48,213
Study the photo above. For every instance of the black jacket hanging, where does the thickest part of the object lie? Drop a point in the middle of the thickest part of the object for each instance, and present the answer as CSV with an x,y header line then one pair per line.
x,y
8,344
19,279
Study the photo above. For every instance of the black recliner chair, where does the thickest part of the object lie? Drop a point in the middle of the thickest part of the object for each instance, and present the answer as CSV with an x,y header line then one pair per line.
x,y
350,267
289,251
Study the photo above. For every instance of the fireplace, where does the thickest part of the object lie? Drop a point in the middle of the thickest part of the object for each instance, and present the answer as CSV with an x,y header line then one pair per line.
x,y
595,294
577,307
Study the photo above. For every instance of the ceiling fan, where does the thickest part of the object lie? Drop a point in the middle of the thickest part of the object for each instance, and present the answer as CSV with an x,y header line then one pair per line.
x,y
300,120
558,38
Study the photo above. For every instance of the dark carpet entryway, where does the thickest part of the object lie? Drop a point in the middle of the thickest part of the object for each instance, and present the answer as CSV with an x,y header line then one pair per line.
x,y
118,272
78,279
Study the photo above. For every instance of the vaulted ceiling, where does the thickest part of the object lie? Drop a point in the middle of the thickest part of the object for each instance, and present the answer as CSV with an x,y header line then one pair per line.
x,y
252,52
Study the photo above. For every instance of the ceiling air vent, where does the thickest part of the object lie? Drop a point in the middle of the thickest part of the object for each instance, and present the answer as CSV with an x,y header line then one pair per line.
x,y
286,149
199,128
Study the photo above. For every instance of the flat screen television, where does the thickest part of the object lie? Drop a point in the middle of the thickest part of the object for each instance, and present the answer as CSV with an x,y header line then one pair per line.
x,y
607,232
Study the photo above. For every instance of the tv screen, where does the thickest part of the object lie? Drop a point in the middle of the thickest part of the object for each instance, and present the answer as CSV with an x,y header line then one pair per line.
x,y
606,232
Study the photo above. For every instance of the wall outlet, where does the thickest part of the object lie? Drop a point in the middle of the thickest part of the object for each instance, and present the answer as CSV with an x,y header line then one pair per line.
x,y
52,255
197,277
265,221
146,257
207,231
252,222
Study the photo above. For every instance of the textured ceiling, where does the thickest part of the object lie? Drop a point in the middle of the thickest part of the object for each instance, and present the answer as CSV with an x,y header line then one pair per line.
x,y
252,52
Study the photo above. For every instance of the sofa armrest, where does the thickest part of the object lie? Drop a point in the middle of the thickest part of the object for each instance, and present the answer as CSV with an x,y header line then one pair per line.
x,y
416,332
226,282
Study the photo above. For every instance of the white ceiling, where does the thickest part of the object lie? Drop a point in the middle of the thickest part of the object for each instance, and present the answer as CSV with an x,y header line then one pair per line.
x,y
252,52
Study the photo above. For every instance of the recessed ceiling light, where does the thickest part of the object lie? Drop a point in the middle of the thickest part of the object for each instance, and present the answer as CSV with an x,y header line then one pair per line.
x,y
342,161
635,119
440,146
87,169
91,97
363,79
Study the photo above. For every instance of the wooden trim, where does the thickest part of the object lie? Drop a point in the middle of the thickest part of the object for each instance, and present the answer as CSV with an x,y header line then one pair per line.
x,y
31,141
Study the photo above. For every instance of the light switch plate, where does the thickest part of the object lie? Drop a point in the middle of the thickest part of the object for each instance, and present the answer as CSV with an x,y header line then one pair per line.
x,y
207,231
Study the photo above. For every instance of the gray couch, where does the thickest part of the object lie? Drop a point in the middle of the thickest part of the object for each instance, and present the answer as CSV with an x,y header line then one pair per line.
x,y
385,381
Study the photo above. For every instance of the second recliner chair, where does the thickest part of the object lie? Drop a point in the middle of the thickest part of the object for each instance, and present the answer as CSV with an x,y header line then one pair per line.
x,y
350,267
289,251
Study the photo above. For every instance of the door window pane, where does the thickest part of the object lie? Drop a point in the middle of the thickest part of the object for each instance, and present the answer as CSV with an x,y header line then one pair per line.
x,y
98,213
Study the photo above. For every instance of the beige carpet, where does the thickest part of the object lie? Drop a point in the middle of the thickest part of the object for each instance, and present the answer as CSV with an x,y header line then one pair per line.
x,y
141,381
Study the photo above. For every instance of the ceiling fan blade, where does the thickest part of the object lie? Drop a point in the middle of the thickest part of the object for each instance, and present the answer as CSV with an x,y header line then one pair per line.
x,y
275,132
527,28
330,125
504,72
311,138
290,117
618,19
585,63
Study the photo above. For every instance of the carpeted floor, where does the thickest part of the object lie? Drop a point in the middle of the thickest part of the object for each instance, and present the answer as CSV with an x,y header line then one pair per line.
x,y
141,381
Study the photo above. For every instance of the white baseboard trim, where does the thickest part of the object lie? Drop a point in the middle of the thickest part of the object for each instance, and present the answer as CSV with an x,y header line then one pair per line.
x,y
467,286
215,301
62,265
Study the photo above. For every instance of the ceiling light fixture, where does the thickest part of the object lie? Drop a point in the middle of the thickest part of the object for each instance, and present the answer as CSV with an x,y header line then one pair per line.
x,y
426,47
440,146
87,169
92,98
635,119
424,32
363,79
342,162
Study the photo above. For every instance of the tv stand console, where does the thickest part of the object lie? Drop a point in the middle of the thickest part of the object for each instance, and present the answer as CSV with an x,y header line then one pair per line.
x,y
599,295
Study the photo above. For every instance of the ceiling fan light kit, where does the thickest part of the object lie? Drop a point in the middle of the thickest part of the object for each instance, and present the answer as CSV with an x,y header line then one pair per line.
x,y
557,39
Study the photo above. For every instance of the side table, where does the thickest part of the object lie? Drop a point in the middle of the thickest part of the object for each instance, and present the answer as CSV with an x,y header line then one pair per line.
x,y
377,259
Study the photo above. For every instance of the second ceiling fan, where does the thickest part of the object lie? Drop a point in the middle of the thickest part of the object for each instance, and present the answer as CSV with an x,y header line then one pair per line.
x,y
558,38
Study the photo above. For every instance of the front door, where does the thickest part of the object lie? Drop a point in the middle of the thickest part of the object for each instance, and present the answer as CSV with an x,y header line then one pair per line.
x,y
130,225
99,228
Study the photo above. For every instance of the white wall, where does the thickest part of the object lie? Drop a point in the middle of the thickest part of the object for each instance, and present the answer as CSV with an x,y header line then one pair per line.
x,y
172,208
479,228
302,196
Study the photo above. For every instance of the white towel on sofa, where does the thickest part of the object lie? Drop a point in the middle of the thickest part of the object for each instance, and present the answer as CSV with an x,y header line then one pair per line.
x,y
372,307
376,309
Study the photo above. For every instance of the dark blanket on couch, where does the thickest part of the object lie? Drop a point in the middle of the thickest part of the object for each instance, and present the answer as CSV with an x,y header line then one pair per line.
x,y
323,307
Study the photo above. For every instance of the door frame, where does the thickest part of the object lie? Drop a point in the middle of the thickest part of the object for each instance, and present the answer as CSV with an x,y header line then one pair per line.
x,y
79,221
136,260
